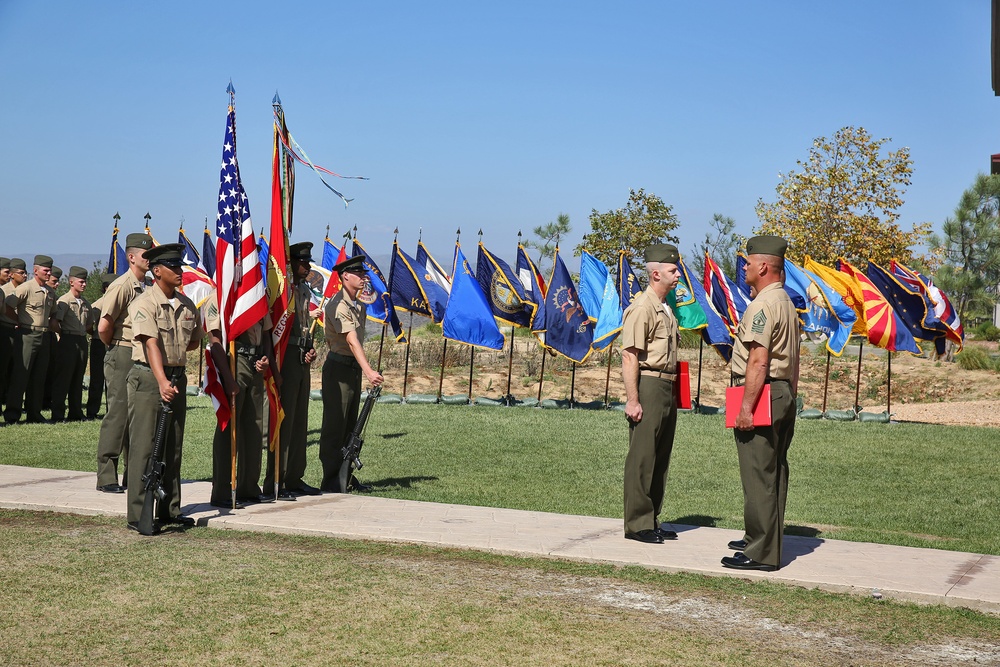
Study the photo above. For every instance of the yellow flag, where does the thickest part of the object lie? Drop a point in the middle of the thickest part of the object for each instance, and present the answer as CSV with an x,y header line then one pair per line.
x,y
847,287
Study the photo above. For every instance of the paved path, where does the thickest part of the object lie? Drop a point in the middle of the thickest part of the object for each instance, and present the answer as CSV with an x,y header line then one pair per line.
x,y
923,575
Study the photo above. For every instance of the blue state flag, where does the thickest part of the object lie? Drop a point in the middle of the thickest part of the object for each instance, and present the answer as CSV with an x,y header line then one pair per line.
x,y
626,282
798,298
330,254
381,310
413,289
534,287
568,330
263,257
503,290
912,309
828,313
469,317
715,332
208,254
600,297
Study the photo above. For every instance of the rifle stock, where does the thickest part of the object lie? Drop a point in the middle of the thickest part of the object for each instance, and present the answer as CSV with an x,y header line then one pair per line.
x,y
153,478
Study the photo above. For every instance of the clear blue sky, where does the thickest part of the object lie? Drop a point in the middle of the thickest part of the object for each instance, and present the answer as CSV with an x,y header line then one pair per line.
x,y
497,116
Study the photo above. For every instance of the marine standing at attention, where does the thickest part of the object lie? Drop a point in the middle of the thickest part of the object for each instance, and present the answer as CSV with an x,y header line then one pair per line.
x,y
165,327
95,392
115,330
31,305
649,370
765,352
70,320
345,318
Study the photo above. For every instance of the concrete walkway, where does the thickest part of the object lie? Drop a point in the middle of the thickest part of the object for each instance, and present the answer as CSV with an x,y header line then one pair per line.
x,y
923,575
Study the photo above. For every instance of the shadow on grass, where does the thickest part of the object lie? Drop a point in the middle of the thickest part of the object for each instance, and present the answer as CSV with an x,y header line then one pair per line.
x,y
698,520
399,482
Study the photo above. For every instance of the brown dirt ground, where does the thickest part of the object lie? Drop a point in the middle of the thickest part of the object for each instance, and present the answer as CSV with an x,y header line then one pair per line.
x,y
923,390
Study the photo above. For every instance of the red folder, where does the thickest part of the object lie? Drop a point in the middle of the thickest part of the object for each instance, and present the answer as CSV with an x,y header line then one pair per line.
x,y
684,386
734,401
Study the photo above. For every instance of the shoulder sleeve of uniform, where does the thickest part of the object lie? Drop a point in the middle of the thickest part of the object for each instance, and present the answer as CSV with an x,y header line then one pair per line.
x,y
343,319
113,303
142,311
760,318
60,311
635,327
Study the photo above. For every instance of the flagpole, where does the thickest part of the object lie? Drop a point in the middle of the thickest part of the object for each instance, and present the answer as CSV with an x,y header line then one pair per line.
x,y
508,399
232,424
826,382
607,378
857,388
444,354
888,387
701,348
406,362
378,364
472,361
541,374
572,385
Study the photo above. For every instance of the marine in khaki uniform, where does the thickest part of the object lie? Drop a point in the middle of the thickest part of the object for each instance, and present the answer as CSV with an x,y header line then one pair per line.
x,y
4,271
254,354
345,319
70,321
115,331
649,370
95,392
13,269
295,386
165,327
55,276
31,306
766,351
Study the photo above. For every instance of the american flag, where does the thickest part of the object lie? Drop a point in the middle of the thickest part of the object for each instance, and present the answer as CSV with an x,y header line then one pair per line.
x,y
242,298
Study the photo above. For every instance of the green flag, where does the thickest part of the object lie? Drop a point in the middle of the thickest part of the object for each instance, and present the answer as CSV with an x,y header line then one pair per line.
x,y
684,304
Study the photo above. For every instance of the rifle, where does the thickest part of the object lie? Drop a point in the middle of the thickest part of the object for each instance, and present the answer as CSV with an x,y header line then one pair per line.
x,y
352,450
152,480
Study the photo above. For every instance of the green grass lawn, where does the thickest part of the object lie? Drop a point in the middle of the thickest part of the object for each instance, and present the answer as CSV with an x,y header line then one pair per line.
x,y
907,484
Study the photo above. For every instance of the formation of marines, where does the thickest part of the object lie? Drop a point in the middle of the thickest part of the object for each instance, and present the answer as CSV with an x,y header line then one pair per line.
x,y
141,334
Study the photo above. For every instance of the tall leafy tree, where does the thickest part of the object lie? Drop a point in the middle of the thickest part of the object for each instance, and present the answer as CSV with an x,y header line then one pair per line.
x,y
721,243
548,236
844,201
644,220
969,249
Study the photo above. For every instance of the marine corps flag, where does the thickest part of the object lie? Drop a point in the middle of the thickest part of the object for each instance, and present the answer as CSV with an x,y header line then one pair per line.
x,y
503,290
469,318
568,330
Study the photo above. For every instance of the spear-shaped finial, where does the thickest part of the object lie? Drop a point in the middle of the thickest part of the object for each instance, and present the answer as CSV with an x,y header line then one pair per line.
x,y
519,237
230,89
355,232
480,234
395,233
458,233
347,234
328,231
420,234
276,101
117,218
206,223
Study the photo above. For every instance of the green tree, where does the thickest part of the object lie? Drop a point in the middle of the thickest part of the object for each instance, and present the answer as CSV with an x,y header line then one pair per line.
x,y
721,243
969,248
644,220
548,237
844,202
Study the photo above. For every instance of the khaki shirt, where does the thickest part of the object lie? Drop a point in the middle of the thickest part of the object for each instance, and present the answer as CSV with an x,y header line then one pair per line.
x,y
650,327
770,320
174,325
120,294
343,315
73,314
213,322
95,316
33,303
6,290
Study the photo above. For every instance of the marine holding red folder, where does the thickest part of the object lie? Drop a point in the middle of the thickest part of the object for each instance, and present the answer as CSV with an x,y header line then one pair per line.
x,y
765,366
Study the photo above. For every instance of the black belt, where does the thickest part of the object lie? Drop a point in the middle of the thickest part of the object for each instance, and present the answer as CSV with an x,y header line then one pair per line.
x,y
166,369
31,328
740,380
344,359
